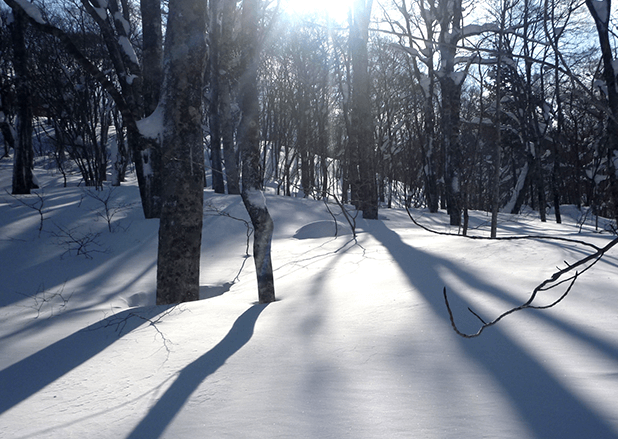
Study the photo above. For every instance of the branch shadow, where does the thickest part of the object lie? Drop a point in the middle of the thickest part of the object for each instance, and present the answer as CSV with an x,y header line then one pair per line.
x,y
28,376
171,402
546,406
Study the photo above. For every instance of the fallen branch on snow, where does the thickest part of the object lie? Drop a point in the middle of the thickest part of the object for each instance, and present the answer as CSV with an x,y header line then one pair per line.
x,y
546,285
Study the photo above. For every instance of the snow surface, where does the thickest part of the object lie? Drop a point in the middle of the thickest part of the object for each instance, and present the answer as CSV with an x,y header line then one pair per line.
x,y
358,345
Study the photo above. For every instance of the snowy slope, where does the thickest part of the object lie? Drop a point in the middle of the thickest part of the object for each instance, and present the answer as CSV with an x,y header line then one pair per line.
x,y
358,345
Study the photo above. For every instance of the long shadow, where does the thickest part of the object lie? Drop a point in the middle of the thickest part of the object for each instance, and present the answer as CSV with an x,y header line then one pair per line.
x,y
169,405
548,408
28,376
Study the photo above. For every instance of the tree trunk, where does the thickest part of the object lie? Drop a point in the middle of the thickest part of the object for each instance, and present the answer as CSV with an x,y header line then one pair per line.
x,y
24,154
214,69
180,231
249,140
609,76
225,96
362,122
152,46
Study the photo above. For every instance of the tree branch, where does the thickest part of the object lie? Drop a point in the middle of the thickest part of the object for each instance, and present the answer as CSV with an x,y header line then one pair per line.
x,y
546,285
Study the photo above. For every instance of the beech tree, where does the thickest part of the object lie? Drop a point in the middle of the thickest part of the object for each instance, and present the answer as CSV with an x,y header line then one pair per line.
x,y
600,11
180,230
249,140
24,155
362,144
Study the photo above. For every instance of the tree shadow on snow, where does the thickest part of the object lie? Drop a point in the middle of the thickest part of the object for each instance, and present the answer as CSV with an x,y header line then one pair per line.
x,y
28,376
548,408
171,402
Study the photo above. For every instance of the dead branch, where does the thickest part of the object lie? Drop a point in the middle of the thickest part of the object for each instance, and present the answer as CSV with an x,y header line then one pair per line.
x,y
553,282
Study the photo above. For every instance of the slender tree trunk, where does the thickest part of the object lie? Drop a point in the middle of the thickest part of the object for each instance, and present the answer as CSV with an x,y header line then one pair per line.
x,y
226,98
24,154
180,230
249,139
152,46
214,74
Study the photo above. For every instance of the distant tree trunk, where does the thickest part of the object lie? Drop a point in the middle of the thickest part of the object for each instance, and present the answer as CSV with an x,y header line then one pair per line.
x,y
249,140
24,154
362,142
497,150
226,53
180,230
214,69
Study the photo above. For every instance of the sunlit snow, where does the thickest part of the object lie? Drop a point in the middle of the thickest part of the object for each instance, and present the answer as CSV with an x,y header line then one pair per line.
x,y
359,344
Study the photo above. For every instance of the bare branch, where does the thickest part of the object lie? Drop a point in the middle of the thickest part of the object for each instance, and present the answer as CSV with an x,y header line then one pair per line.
x,y
546,285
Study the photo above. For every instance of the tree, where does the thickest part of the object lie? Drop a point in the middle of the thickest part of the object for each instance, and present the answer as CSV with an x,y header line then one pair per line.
x,y
24,155
364,190
180,230
249,142
600,11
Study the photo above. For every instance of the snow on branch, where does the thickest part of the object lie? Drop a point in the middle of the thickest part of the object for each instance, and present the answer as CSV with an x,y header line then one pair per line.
x,y
31,10
557,279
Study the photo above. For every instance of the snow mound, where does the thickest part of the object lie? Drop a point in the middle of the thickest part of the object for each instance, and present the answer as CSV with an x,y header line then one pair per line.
x,y
322,229
140,299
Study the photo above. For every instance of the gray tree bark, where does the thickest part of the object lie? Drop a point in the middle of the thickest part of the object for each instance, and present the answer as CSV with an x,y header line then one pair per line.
x,y
225,96
609,76
249,140
361,140
180,230
24,154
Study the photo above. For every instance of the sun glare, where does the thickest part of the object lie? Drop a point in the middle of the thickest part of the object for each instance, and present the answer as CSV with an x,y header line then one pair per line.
x,y
336,10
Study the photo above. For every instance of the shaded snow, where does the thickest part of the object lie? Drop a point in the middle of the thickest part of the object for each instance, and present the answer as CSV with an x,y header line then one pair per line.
x,y
358,345
322,229
152,126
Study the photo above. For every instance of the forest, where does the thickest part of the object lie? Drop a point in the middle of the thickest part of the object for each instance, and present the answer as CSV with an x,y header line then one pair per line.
x,y
444,104
431,186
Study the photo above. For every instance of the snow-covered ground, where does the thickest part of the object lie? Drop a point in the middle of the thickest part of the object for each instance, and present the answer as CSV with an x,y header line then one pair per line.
x,y
358,345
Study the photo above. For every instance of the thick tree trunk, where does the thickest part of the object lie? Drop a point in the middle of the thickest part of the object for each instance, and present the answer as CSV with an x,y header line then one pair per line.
x,y
609,76
24,154
249,140
361,140
180,231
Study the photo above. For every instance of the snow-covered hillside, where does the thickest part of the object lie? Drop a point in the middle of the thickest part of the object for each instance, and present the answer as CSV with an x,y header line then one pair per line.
x,y
358,345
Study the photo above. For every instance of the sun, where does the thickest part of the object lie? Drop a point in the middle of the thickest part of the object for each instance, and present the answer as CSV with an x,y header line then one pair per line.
x,y
336,10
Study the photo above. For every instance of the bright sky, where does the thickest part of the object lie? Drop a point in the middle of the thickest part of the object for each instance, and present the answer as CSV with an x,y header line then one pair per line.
x,y
336,9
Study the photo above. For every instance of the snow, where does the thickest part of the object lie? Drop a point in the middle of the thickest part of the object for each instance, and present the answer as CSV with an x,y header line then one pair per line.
x,y
358,344
152,126
101,13
127,47
32,10
125,24
256,198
